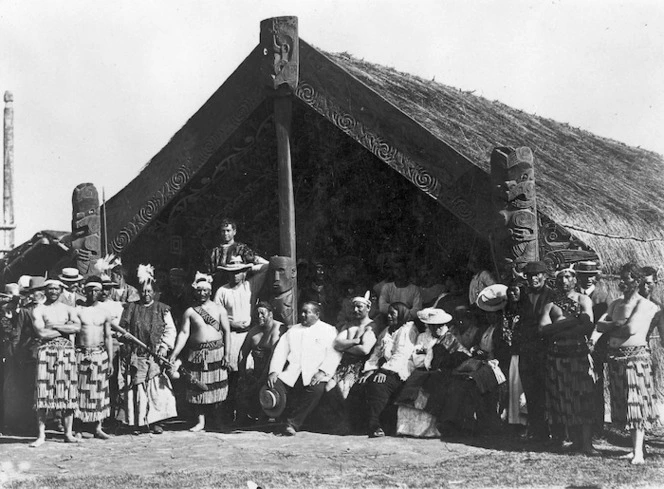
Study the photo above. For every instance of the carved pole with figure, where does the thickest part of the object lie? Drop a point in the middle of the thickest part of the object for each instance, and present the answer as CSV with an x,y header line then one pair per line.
x,y
280,42
515,234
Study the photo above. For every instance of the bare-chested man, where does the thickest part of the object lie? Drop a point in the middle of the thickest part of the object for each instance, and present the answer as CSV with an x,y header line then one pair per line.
x,y
57,373
94,355
566,323
258,344
206,330
630,371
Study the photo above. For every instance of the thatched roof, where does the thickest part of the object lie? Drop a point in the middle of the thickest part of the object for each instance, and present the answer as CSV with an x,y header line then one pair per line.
x,y
438,137
603,191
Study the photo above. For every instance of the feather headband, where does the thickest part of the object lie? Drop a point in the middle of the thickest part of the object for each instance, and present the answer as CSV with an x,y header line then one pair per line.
x,y
202,281
145,274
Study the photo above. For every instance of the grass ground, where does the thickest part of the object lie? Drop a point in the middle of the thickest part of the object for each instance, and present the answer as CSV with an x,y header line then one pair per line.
x,y
181,459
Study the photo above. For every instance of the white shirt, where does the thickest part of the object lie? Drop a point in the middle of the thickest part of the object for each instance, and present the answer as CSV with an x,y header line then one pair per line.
x,y
307,349
396,348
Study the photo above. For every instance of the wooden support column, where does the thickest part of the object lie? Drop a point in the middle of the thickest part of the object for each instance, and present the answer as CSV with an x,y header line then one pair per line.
x,y
514,240
8,225
280,42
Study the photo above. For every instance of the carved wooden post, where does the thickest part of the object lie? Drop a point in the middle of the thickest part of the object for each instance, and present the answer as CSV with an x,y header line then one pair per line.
x,y
85,227
280,70
8,225
513,182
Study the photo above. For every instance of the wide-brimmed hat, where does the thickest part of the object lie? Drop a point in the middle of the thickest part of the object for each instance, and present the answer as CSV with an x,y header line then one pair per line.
x,y
235,264
432,315
70,275
11,291
587,267
492,298
273,399
36,283
534,267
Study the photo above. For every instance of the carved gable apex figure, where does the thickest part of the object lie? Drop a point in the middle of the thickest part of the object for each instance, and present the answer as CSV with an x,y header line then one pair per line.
x,y
281,49
85,227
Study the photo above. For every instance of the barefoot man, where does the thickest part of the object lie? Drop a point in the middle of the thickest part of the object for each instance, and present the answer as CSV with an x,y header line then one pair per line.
x,y
206,330
94,355
570,384
57,373
630,371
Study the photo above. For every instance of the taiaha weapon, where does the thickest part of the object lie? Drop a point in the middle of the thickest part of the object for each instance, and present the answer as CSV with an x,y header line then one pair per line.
x,y
174,369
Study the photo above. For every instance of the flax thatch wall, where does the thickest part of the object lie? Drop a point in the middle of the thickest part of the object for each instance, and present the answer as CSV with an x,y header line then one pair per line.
x,y
606,193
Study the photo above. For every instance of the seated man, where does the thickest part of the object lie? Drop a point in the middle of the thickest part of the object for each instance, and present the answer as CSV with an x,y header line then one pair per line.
x,y
312,360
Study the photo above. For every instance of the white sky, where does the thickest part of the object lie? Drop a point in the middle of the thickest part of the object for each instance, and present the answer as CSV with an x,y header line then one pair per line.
x,y
100,87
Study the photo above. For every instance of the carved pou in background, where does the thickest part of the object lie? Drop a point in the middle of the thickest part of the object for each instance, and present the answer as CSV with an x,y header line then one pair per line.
x,y
513,183
85,227
281,48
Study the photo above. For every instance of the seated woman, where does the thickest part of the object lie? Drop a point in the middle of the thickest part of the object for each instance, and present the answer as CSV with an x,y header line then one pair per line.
x,y
258,345
445,392
387,369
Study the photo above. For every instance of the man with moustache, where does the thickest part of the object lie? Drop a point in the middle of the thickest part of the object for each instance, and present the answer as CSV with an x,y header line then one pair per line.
x,y
206,332
531,353
57,374
566,323
302,363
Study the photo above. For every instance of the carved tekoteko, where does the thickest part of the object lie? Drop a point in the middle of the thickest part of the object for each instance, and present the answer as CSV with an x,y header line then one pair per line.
x,y
280,43
513,183
85,227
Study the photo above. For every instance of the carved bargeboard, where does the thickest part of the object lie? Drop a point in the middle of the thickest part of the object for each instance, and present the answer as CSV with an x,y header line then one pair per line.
x,y
85,227
513,184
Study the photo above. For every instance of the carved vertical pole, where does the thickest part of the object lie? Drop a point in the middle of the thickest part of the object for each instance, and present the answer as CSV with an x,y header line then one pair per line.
x,y
280,42
8,188
85,227
513,182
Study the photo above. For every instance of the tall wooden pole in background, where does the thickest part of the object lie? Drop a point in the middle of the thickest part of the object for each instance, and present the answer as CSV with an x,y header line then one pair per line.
x,y
8,188
280,41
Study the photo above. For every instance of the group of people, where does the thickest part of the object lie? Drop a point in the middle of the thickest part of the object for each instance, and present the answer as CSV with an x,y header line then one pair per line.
x,y
370,361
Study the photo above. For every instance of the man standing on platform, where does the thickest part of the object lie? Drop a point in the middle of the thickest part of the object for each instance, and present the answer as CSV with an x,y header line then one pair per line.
x,y
566,323
57,373
302,363
94,355
531,357
206,332
228,249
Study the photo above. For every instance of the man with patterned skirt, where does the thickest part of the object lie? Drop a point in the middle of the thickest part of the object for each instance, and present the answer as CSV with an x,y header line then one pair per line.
x,y
146,391
94,355
566,323
57,373
206,331
633,396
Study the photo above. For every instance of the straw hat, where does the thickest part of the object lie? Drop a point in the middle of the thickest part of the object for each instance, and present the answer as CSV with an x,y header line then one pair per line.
x,y
587,267
235,264
273,399
70,275
493,298
432,315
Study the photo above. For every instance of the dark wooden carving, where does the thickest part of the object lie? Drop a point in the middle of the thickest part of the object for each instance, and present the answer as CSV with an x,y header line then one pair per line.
x,y
85,227
280,42
513,183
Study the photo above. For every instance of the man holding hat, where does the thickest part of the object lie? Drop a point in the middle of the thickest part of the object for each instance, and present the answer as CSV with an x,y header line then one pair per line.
x,y
532,368
566,322
302,363
57,373
206,332
94,355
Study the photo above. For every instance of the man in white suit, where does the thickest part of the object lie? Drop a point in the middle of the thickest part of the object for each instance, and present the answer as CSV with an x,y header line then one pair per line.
x,y
312,360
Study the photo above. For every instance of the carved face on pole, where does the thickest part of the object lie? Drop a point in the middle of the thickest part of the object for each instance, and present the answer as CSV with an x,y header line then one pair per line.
x,y
283,271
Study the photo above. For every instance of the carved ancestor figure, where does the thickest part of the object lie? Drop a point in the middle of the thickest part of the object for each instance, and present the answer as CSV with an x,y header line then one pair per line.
x,y
282,273
280,43
513,183
85,227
